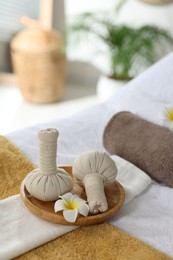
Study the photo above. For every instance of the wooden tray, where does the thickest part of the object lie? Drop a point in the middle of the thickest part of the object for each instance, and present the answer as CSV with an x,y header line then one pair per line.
x,y
114,193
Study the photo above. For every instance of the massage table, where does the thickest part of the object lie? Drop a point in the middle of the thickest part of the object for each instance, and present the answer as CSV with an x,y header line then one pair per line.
x,y
149,216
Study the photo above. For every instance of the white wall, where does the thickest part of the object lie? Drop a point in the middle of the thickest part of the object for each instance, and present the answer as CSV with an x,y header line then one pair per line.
x,y
134,12
139,13
74,7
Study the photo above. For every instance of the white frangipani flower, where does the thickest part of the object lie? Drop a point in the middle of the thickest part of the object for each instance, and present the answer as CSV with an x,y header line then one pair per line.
x,y
167,116
71,204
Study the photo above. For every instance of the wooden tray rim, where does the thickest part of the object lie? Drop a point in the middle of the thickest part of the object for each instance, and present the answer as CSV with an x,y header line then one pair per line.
x,y
55,218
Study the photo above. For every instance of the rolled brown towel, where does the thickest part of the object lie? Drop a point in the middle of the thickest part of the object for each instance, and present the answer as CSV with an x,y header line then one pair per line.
x,y
146,145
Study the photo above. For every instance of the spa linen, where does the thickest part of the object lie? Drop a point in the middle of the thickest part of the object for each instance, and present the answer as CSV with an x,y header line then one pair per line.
x,y
146,145
149,216
22,231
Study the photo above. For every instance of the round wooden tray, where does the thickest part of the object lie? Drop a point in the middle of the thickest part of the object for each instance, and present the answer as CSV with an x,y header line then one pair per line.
x,y
114,193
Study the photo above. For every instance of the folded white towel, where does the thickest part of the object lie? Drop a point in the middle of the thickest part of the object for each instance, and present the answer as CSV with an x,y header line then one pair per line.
x,y
133,180
21,231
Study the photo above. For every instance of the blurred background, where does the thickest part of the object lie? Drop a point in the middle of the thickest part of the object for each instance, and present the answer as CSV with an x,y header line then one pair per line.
x,y
49,70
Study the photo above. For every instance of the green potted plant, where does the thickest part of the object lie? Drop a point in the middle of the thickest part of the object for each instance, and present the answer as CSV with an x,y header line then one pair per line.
x,y
128,50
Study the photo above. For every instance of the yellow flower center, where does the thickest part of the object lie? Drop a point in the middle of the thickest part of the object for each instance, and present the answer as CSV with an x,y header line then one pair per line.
x,y
70,205
170,114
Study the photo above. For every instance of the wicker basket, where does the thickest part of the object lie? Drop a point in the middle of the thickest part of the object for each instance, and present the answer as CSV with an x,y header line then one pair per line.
x,y
39,63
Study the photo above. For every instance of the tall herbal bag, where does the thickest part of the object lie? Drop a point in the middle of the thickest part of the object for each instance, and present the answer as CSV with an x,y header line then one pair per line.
x,y
39,63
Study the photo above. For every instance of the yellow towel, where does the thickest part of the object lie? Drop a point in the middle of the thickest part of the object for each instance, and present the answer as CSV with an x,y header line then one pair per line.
x,y
101,241
13,168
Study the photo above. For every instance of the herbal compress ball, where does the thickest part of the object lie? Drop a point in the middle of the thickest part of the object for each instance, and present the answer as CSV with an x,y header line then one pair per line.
x,y
48,182
94,170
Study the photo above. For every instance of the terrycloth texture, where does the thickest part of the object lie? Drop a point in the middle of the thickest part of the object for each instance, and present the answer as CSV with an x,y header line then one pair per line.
x,y
21,230
98,242
149,217
13,168
146,145
133,180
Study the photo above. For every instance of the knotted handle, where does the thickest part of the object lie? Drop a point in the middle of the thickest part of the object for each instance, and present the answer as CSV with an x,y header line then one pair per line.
x,y
48,150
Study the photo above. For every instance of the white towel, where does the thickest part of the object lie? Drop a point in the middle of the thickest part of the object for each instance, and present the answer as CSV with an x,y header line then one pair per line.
x,y
21,231
149,217
133,180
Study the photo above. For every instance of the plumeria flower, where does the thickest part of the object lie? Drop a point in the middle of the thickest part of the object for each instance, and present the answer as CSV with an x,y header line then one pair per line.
x,y
167,117
71,204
